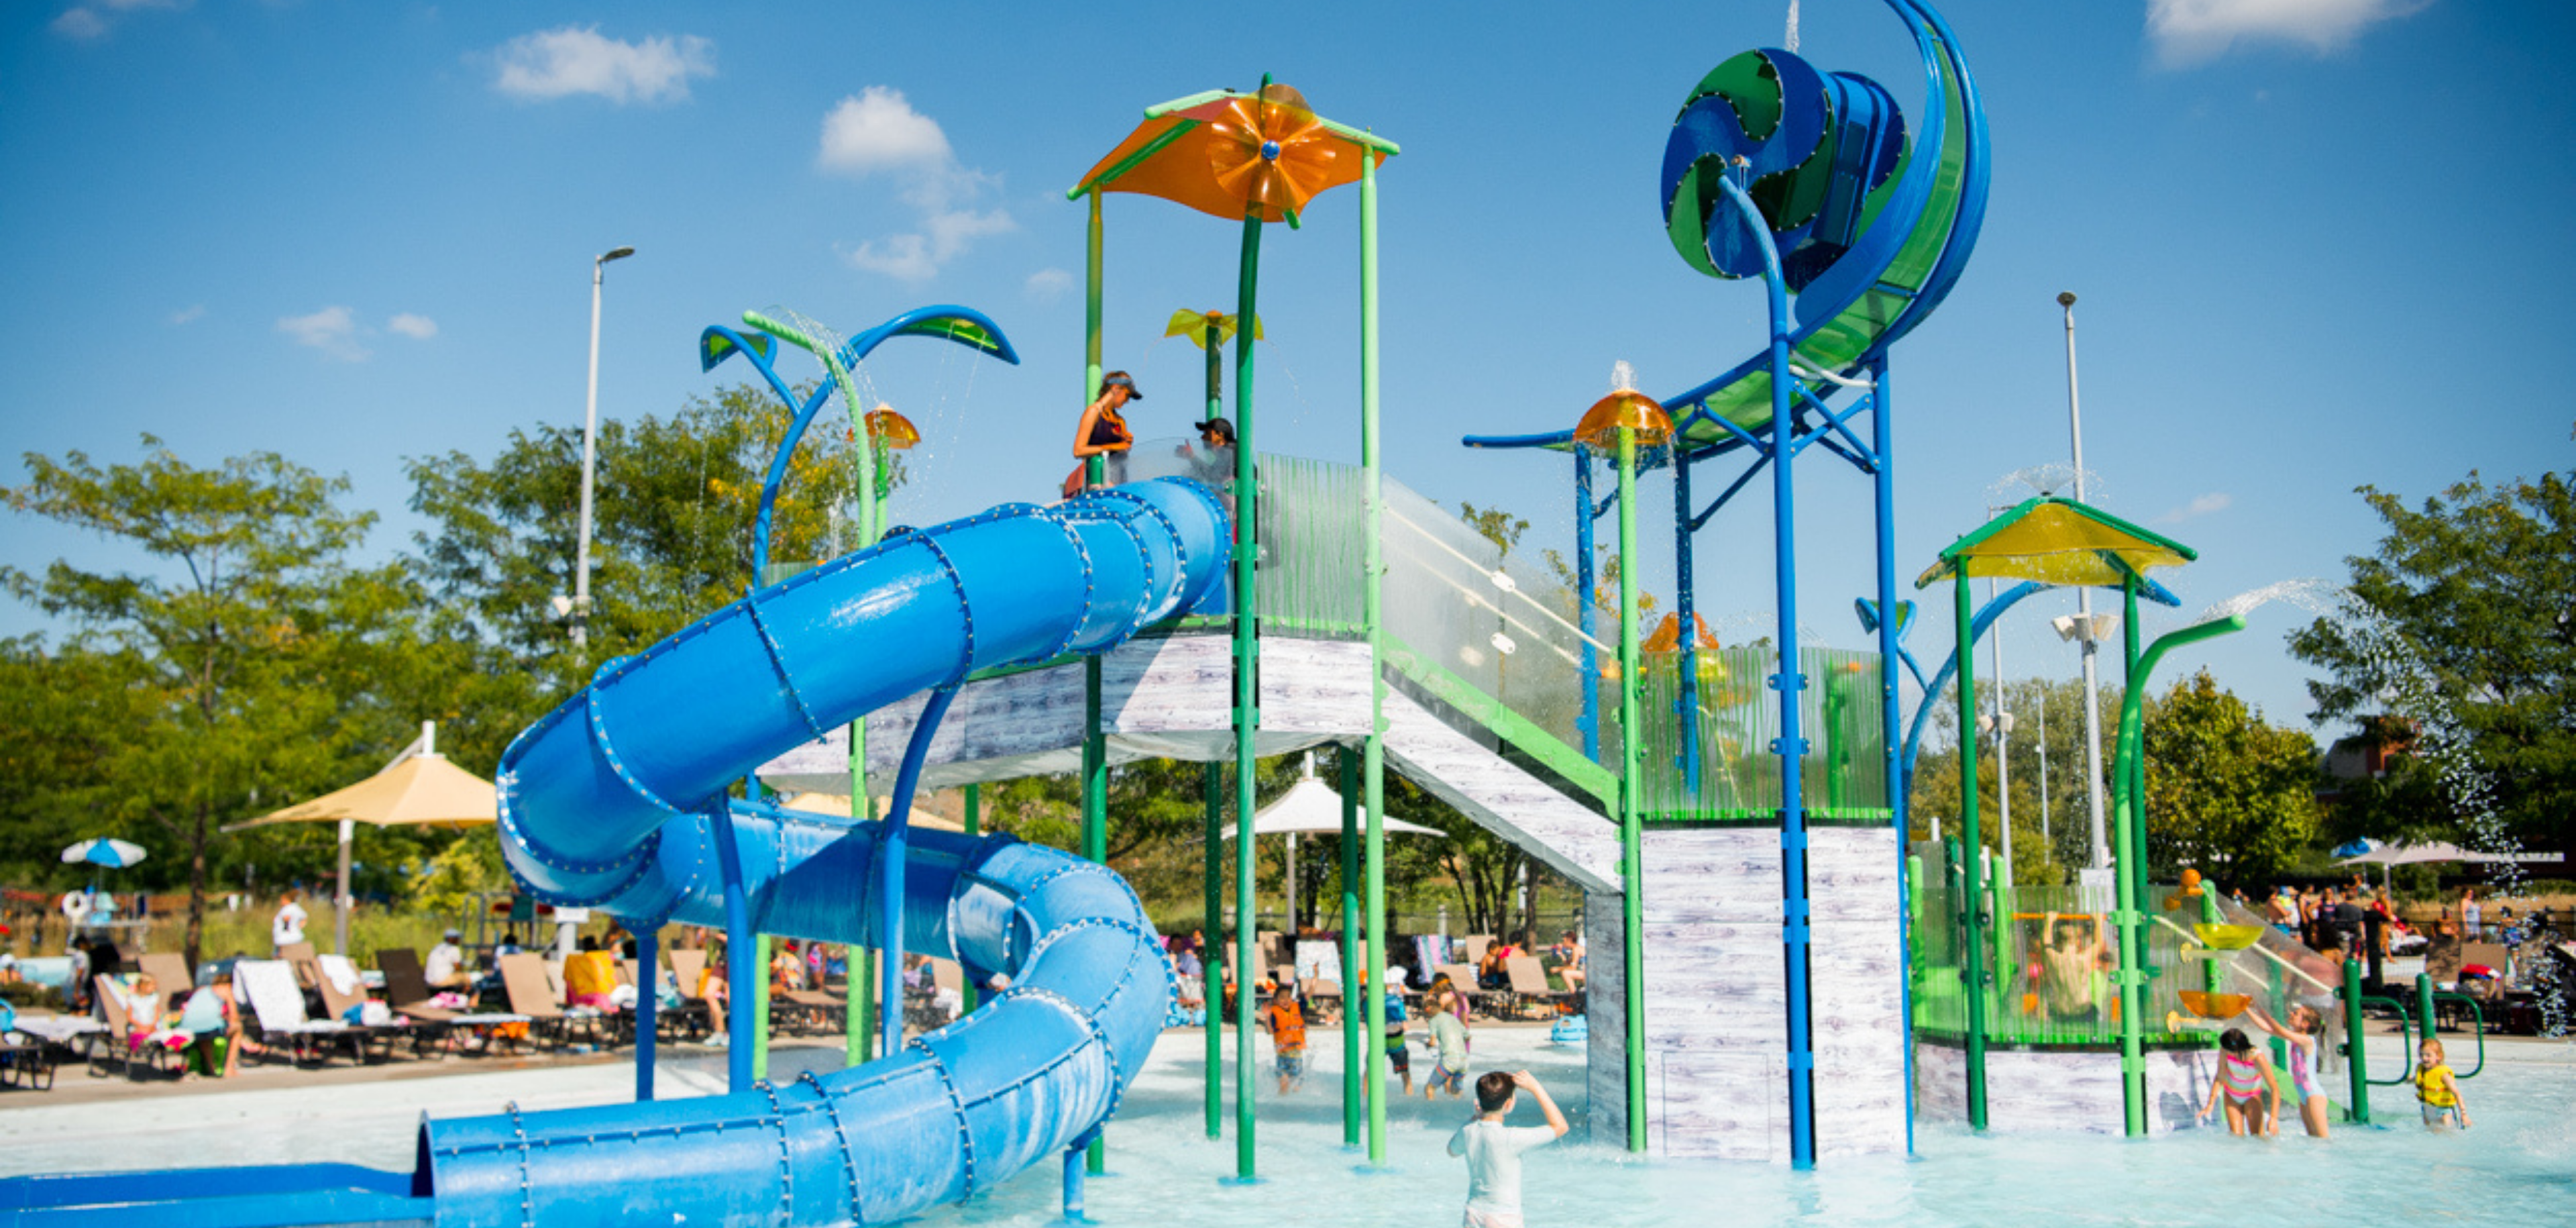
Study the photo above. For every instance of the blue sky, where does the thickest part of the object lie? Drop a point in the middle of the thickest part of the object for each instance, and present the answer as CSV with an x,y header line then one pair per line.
x,y
2309,237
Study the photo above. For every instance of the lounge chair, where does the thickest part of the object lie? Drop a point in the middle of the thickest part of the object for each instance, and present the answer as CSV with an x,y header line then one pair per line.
x,y
31,1050
116,1042
276,1018
1472,948
524,977
407,989
344,995
1319,992
692,1016
169,970
1530,990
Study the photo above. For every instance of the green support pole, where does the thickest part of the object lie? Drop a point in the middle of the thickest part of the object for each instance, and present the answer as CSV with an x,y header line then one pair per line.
x,y
2127,819
1632,842
1095,746
859,990
1247,694
1373,751
1353,1052
760,1010
2423,1003
1095,825
1212,953
2356,1059
2210,976
1972,896
974,824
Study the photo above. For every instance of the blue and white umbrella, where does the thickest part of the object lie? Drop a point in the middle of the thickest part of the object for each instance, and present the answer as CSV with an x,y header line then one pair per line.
x,y
2358,848
114,854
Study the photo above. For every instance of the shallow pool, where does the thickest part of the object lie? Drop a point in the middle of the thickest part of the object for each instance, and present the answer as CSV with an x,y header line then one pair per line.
x,y
2518,1167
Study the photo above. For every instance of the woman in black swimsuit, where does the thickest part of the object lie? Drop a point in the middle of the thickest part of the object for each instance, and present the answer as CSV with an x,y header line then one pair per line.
x,y
1104,433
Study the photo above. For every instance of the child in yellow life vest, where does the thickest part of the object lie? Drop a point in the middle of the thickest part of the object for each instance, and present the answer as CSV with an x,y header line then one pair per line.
x,y
2437,1088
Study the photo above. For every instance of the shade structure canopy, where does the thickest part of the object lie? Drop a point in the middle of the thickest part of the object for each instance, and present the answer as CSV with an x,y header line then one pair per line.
x,y
103,851
1311,807
419,790
1232,155
2057,540
2403,854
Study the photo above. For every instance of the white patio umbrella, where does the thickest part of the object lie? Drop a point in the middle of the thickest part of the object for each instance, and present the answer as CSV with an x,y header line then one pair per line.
x,y
103,851
1311,807
2403,854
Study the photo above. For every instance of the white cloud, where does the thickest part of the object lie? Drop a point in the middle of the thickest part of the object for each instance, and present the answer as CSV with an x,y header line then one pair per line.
x,y
2201,505
332,330
877,131
418,328
2188,32
89,21
188,315
1046,285
579,60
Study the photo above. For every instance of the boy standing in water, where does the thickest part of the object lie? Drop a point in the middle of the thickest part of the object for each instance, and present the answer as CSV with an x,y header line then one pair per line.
x,y
1449,1037
1287,1037
1493,1149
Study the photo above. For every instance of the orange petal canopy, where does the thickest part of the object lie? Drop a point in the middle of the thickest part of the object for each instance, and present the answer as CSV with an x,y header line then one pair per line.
x,y
1232,155
892,429
1634,410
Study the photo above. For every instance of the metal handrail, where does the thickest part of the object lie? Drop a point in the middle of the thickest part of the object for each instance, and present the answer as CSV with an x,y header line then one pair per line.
x,y
2403,1029
2477,1013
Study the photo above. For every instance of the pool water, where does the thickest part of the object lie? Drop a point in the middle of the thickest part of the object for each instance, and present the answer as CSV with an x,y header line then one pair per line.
x,y
2518,1167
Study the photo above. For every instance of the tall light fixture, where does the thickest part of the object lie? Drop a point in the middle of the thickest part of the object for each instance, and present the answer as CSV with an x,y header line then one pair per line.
x,y
2084,615
589,455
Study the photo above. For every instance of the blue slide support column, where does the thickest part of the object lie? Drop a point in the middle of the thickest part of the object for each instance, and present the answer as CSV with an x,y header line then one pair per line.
x,y
648,1002
1891,714
1783,446
1686,611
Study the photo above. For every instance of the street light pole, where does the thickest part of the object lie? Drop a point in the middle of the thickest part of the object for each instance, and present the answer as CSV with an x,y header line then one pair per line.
x,y
2084,615
589,455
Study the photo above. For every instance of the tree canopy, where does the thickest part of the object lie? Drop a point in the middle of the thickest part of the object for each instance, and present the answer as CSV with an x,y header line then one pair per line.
x,y
2462,627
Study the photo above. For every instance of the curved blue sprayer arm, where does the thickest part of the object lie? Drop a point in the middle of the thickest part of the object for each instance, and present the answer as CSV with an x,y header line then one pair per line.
x,y
963,325
1977,628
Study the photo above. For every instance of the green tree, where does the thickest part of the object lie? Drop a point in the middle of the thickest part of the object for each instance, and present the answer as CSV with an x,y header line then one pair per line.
x,y
2459,624
2227,793
249,660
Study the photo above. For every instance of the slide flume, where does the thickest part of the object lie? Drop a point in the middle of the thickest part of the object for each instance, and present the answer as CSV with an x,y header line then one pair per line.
x,y
614,801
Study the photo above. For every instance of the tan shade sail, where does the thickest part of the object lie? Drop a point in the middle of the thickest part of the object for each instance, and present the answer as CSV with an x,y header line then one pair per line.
x,y
422,790
2058,541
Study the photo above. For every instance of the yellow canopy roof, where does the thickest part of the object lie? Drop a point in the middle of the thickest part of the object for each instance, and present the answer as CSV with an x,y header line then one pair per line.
x,y
2058,541
420,790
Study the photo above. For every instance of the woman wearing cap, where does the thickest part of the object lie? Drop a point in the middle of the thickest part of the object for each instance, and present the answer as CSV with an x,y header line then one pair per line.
x,y
1104,433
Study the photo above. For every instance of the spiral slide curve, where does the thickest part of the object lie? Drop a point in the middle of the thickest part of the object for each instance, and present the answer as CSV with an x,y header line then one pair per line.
x,y
615,800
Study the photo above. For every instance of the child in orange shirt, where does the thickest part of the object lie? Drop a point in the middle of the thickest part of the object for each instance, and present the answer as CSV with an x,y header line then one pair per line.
x,y
1287,1026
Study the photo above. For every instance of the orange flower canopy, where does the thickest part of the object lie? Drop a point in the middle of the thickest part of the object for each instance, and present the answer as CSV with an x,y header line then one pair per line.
x,y
892,429
1263,154
1635,410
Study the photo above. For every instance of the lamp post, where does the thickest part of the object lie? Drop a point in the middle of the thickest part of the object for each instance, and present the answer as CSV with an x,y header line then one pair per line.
x,y
589,453
2084,613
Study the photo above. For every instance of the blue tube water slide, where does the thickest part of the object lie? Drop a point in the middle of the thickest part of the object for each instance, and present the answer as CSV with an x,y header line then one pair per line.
x,y
615,801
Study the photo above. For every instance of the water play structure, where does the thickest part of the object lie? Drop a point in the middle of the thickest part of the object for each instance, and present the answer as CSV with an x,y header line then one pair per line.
x,y
1770,959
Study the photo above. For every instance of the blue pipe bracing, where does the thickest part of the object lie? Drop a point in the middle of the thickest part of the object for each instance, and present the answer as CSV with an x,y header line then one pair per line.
x,y
610,802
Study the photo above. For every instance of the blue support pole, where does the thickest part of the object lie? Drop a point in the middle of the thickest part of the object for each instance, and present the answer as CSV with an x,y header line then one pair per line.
x,y
1074,1165
648,994
1891,716
1782,443
890,865
1688,707
742,963
1590,722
